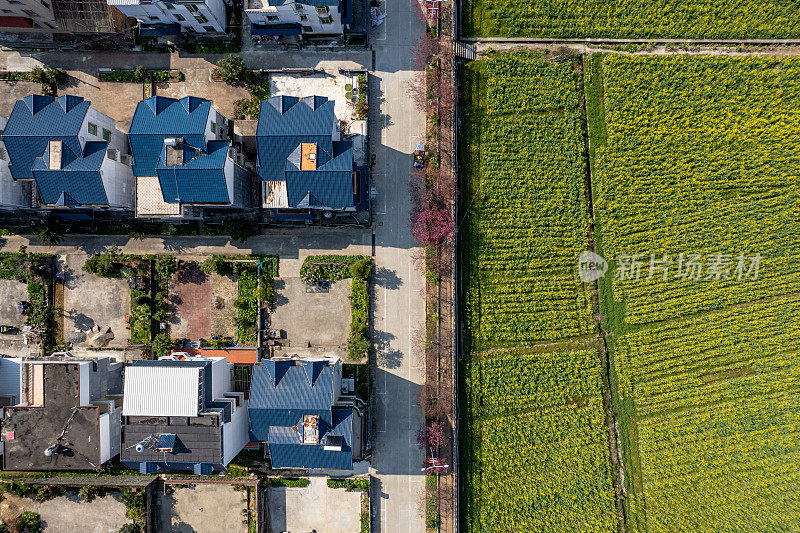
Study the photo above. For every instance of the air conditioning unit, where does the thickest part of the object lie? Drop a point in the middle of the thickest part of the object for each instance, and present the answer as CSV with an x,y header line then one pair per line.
x,y
113,154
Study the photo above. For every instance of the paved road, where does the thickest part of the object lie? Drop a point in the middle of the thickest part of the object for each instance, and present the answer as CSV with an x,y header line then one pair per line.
x,y
399,293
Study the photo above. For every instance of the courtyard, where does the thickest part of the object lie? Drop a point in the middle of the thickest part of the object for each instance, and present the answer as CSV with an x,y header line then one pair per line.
x,y
316,507
93,305
313,320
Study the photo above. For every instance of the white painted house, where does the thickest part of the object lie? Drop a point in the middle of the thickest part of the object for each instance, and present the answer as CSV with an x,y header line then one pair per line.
x,y
71,153
158,17
299,17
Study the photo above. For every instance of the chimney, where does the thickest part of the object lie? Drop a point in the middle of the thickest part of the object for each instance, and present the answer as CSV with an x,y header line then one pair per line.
x,y
54,162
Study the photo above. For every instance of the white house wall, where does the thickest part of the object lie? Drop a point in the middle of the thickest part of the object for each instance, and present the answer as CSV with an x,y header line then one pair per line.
x,y
84,383
110,434
159,12
13,194
220,123
119,183
235,433
43,12
118,139
229,180
288,13
220,377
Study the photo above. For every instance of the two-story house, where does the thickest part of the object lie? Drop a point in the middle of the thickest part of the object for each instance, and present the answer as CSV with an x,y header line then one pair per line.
x,y
303,164
67,416
183,159
72,154
172,17
297,410
299,17
182,415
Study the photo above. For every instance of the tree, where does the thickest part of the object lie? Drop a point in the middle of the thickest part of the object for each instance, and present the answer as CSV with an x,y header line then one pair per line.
x,y
166,266
50,232
232,71
361,269
131,528
161,345
431,224
431,435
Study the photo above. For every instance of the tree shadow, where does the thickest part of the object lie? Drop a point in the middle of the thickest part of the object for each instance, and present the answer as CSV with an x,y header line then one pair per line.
x,y
80,321
279,285
191,272
387,279
387,357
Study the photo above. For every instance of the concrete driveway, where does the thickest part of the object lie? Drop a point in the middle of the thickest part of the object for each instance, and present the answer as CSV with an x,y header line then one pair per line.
x,y
92,303
12,91
70,514
314,508
116,99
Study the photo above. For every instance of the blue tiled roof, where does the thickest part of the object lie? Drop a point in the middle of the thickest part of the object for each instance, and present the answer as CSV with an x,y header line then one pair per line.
x,y
201,177
160,117
286,122
287,451
34,122
281,391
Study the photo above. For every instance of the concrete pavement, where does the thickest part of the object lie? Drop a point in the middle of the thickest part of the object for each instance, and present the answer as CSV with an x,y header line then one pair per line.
x,y
399,287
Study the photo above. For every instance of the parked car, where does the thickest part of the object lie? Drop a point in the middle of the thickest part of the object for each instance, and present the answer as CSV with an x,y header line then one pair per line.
x,y
419,155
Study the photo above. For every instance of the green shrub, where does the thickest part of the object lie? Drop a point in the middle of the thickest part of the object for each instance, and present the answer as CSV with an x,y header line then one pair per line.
x,y
216,264
245,108
361,269
29,522
237,471
351,484
288,482
358,343
161,344
166,266
105,265
232,71
131,528
88,494
134,502
330,267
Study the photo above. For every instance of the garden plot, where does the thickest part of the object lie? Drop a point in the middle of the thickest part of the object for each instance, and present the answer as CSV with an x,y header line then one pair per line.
x,y
202,304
